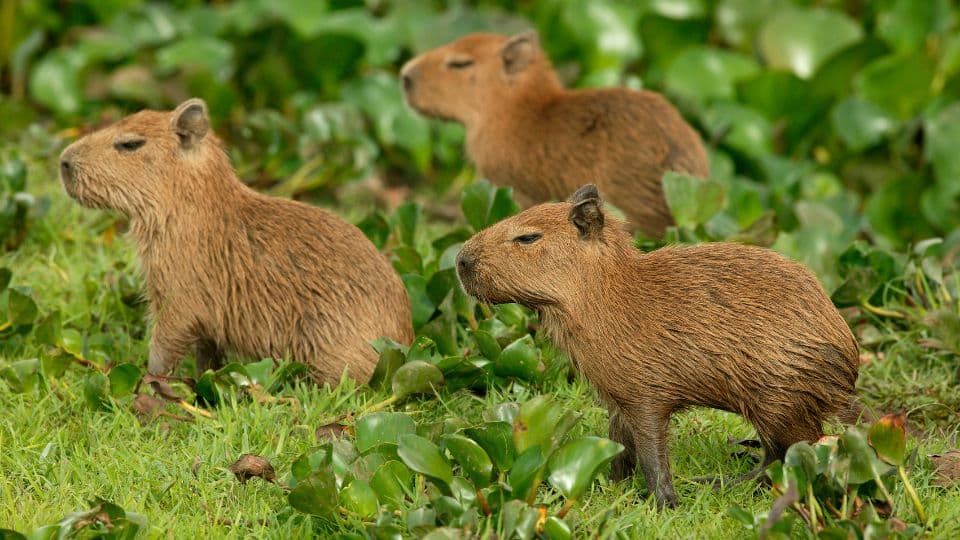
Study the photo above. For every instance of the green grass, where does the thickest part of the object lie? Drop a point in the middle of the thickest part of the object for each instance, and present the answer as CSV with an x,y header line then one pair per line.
x,y
56,453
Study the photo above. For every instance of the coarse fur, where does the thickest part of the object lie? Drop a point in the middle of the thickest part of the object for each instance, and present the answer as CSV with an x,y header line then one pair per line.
x,y
525,130
722,325
229,269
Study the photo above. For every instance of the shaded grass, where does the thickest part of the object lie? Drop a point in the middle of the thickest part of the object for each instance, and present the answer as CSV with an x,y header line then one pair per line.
x,y
56,454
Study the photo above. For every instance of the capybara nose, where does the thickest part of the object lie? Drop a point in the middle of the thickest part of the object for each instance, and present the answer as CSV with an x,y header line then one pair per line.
x,y
465,263
406,76
407,83
66,169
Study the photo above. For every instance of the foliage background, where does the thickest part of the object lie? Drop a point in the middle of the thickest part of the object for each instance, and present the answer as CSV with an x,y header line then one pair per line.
x,y
831,124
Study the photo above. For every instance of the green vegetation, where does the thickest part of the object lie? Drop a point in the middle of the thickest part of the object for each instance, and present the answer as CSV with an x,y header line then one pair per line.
x,y
833,133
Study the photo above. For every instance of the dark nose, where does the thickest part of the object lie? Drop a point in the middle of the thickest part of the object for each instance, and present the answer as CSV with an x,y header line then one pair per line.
x,y
66,169
407,82
465,263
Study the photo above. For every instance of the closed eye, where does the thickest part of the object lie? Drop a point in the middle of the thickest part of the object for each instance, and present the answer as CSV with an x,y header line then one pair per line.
x,y
129,146
527,239
460,63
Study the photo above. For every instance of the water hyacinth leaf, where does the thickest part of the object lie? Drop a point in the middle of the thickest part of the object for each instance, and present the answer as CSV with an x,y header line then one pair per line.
x,y
555,528
96,390
542,422
379,428
692,200
391,481
527,473
404,221
420,305
801,464
575,465
864,465
123,379
888,437
424,457
284,374
416,377
8,534
207,388
360,498
900,84
316,494
5,276
390,361
471,457
484,204
740,128
738,21
213,55
518,520
705,74
861,124
55,81
520,359
496,439
459,372
421,520
259,372
21,309
942,147
801,39
907,25
488,345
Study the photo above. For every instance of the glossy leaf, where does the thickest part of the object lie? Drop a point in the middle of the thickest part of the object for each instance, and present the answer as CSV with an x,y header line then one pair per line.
x,y
424,457
692,200
416,377
123,379
496,439
575,465
359,497
520,359
801,39
391,481
380,428
316,494
471,457
888,437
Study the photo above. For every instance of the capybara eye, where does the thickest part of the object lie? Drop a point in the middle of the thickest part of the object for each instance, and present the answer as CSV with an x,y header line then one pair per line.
x,y
129,146
527,239
460,63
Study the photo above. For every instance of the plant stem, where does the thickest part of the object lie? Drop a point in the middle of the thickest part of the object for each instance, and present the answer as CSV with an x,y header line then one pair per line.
x,y
487,312
913,495
377,406
484,505
566,508
881,312
813,508
190,408
883,488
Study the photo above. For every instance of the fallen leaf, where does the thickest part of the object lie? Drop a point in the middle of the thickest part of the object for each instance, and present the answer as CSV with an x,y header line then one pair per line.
x,y
332,431
947,472
249,466
195,468
146,407
161,387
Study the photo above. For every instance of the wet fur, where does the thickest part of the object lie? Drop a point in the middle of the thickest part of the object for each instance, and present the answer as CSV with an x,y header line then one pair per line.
x,y
229,269
527,131
727,326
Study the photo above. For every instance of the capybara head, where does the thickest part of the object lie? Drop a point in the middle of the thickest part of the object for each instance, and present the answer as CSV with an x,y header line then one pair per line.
x,y
542,255
146,159
460,80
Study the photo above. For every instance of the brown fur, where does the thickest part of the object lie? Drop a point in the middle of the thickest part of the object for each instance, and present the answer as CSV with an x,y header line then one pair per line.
x,y
229,269
527,131
721,325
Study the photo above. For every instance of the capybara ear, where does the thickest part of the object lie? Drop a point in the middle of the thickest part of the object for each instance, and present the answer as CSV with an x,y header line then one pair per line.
x,y
587,191
190,122
586,213
519,50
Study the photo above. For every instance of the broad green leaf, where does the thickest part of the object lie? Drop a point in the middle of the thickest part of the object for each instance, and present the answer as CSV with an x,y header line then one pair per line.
x,y
900,84
207,389
379,428
96,390
738,21
706,74
420,305
801,39
391,481
390,361
423,348
21,309
801,465
9,534
527,473
692,200
416,377
861,124
487,344
55,81
942,146
889,438
316,494
284,374
5,276
555,528
476,201
576,464
740,128
304,16
496,439
424,457
542,422
360,498
405,220
123,379
471,457
519,520
520,359
863,462
908,24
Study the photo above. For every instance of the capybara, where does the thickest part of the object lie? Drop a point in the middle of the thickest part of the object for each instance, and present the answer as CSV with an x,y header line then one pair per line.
x,y
721,325
227,269
524,129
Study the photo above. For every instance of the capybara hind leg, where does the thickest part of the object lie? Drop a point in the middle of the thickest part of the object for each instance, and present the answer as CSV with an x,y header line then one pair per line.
x,y
625,463
168,345
209,356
